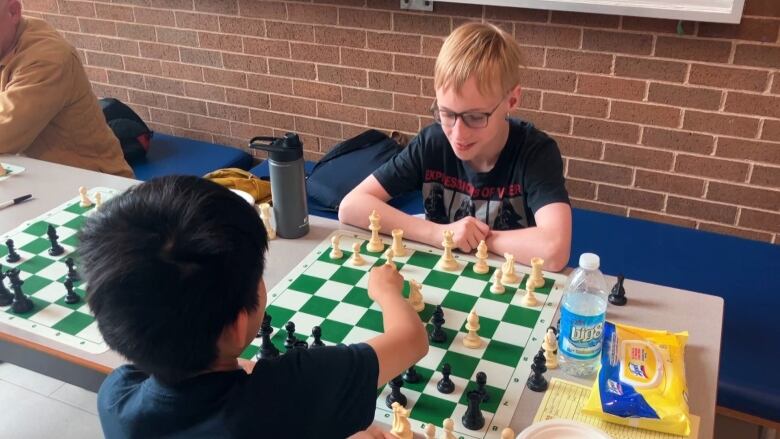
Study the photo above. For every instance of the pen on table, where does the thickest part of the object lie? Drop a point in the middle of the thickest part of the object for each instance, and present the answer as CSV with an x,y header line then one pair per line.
x,y
16,200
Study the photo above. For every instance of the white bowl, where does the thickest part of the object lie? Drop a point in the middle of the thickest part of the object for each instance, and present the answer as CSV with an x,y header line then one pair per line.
x,y
245,195
562,429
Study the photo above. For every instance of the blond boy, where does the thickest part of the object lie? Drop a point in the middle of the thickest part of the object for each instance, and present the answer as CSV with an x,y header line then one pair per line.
x,y
482,174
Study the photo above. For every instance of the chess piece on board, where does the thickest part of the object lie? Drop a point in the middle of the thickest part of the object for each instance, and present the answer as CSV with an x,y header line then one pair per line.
x,y
389,255
507,433
336,252
289,342
447,261
473,418
72,273
481,383
70,297
536,381
55,249
529,298
430,431
375,243
395,392
536,278
481,266
316,333
508,270
472,340
415,296
356,258
401,427
445,384
437,334
21,303
449,427
84,200
12,256
265,215
411,375
498,286
399,249
550,346
6,298
98,200
267,348
618,294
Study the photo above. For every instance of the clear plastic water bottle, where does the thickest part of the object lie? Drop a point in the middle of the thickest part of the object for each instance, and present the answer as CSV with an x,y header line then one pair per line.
x,y
583,311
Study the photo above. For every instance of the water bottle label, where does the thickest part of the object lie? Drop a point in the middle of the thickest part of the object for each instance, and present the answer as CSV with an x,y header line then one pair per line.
x,y
581,335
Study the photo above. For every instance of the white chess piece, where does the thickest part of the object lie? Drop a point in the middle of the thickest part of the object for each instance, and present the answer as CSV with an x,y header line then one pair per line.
x,y
508,269
265,215
98,200
399,249
447,261
430,431
507,433
356,259
448,427
389,255
481,267
536,279
375,243
401,427
336,252
497,287
529,299
472,340
415,295
85,201
550,346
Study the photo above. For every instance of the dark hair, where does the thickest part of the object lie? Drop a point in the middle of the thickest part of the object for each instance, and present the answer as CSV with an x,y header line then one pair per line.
x,y
168,265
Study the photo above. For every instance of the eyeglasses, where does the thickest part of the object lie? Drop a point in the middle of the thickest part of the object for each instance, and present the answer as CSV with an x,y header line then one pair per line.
x,y
472,119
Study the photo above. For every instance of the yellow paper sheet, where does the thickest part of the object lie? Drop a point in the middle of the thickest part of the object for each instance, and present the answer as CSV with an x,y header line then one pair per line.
x,y
564,399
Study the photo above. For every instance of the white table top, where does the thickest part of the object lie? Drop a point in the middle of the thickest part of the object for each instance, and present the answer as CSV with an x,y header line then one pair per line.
x,y
650,306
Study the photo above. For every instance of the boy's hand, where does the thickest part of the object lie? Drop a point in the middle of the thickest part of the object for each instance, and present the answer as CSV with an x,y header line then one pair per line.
x,y
372,432
384,281
468,232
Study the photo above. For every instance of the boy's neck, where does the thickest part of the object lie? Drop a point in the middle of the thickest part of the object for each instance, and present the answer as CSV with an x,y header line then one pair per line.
x,y
224,365
485,162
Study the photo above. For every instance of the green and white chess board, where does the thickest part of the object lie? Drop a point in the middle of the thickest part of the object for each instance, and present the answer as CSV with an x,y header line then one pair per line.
x,y
332,294
10,170
43,276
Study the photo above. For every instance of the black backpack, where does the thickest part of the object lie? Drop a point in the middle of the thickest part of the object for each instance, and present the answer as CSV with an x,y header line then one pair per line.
x,y
346,165
133,134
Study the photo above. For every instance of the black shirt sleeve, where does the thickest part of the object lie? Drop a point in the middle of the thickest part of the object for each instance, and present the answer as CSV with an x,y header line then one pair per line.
x,y
403,173
544,183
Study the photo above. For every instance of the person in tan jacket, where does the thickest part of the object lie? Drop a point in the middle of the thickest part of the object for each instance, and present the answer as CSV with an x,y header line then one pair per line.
x,y
47,108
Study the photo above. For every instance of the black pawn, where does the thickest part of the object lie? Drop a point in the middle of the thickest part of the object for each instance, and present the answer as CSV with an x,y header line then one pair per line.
x,y
72,274
618,296
481,382
71,297
536,381
267,348
56,249
437,334
445,384
473,419
411,375
12,255
316,332
301,344
6,298
289,342
395,392
21,303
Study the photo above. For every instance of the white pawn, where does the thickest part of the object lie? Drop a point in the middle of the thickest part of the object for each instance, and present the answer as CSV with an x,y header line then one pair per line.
x,y
98,200
449,427
508,269
550,346
497,287
415,296
389,255
529,299
430,431
336,253
507,433
481,267
85,201
356,259
265,215
472,340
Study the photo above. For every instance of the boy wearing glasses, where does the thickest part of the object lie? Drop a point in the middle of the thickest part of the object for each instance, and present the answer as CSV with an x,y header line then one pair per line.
x,y
482,174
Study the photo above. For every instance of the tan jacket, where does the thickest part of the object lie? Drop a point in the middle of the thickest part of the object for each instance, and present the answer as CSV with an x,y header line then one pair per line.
x,y
47,108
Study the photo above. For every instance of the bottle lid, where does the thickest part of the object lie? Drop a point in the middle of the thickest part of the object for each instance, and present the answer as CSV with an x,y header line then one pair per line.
x,y
280,149
590,261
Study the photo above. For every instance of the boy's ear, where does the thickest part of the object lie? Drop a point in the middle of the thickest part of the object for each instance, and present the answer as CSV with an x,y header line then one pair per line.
x,y
514,97
235,333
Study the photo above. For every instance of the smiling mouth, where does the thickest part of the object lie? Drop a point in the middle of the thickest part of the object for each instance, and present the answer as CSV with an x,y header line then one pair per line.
x,y
463,146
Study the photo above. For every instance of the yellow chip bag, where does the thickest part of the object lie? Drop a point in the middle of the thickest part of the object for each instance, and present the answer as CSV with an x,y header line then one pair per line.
x,y
641,382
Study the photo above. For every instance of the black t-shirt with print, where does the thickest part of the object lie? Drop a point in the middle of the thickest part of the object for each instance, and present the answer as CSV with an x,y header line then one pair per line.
x,y
527,176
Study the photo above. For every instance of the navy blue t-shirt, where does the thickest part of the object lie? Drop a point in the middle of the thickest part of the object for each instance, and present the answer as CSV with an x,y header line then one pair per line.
x,y
527,176
327,392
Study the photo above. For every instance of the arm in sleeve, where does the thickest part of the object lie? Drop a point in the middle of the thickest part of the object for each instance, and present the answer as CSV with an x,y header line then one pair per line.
x,y
544,182
403,172
34,96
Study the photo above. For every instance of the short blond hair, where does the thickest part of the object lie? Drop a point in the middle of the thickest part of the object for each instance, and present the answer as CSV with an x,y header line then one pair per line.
x,y
481,50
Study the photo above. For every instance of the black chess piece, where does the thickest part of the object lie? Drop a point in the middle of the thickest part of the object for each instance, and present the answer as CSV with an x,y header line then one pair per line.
x,y
481,382
618,295
267,348
6,298
56,249
72,273
445,384
316,332
473,419
536,381
438,335
395,392
289,342
21,303
301,344
411,375
71,297
12,255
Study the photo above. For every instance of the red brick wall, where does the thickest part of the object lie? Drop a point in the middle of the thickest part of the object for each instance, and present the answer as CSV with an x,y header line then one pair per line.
x,y
678,129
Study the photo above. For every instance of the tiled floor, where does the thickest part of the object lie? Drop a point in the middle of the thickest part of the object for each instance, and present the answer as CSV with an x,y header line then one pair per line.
x,y
36,406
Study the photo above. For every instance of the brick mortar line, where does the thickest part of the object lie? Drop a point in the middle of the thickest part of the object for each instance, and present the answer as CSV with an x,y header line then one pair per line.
x,y
744,228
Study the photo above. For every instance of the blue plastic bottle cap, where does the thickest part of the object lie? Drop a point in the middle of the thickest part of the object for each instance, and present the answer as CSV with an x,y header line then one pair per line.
x,y
590,261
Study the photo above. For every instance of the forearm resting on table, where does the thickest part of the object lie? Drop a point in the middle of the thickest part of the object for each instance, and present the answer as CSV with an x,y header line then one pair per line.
x,y
531,242
357,206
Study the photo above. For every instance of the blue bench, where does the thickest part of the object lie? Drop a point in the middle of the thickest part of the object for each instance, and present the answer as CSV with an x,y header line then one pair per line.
x,y
170,155
745,273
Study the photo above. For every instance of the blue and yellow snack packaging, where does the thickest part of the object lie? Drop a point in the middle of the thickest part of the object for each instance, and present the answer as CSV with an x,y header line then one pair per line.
x,y
641,382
